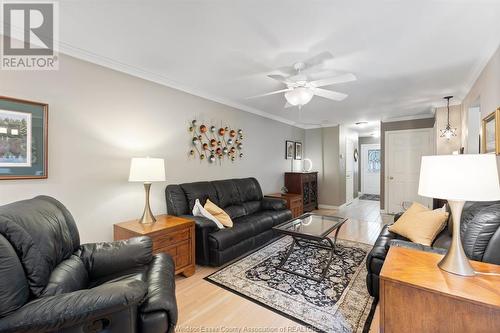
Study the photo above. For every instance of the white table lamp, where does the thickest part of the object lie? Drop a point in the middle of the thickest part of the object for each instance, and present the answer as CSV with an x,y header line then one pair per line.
x,y
147,170
459,178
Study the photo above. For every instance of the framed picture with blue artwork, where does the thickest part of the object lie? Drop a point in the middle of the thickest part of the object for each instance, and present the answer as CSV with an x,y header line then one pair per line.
x,y
23,139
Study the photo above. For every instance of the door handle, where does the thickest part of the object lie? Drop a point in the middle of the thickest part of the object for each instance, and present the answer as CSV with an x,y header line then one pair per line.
x,y
391,178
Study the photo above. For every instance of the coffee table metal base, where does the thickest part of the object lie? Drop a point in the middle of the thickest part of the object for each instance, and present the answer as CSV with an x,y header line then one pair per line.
x,y
318,244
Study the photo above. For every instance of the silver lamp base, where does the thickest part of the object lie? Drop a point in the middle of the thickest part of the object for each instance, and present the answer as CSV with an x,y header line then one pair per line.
x,y
455,261
147,216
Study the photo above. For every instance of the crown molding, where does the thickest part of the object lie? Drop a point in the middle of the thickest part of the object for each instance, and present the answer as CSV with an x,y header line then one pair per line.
x,y
113,64
477,71
412,117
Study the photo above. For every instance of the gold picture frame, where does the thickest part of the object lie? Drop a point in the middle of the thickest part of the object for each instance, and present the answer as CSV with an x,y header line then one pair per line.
x,y
490,134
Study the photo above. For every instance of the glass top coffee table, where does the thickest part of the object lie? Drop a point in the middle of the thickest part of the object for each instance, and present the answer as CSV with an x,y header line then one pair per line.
x,y
311,230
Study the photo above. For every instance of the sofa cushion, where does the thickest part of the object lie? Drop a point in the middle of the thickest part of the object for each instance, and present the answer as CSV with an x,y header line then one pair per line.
x,y
252,206
228,237
279,216
260,220
235,211
219,214
249,189
420,224
227,192
200,211
68,276
199,190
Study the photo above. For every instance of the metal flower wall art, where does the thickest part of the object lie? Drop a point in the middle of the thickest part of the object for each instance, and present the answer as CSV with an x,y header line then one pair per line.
x,y
215,144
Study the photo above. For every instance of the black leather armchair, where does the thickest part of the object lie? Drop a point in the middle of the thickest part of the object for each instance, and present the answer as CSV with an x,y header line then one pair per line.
x,y
253,216
479,231
49,282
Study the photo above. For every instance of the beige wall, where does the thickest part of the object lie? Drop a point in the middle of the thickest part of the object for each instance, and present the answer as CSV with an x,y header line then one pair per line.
x,y
327,146
485,92
100,118
446,146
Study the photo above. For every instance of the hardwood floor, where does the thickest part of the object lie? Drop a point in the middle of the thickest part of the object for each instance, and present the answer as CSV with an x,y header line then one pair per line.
x,y
204,307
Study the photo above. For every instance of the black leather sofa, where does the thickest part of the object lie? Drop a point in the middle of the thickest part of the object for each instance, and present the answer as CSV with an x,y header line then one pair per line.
x,y
253,216
50,282
480,233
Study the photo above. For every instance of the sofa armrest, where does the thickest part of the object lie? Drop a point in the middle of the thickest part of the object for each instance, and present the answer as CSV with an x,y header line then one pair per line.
x,y
202,222
416,246
161,288
102,259
397,216
203,227
53,313
273,204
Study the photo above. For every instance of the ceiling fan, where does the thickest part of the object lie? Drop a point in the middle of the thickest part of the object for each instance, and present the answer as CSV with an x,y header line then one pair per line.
x,y
301,85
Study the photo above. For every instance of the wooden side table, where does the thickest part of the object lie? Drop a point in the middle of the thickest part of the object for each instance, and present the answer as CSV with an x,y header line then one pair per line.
x,y
170,234
416,296
293,202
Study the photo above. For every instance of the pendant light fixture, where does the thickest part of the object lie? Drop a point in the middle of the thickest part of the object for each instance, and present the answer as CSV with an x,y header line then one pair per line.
x,y
448,131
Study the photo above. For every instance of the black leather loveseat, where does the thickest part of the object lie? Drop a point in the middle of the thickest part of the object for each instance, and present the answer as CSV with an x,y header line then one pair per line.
x,y
49,282
480,233
252,214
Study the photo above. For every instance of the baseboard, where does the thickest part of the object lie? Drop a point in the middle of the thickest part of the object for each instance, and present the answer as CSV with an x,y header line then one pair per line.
x,y
327,207
321,206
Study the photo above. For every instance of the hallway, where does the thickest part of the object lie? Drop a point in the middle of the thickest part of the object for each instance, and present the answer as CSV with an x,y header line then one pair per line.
x,y
365,220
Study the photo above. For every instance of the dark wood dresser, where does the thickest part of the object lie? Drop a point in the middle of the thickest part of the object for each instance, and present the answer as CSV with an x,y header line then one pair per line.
x,y
305,184
170,234
293,202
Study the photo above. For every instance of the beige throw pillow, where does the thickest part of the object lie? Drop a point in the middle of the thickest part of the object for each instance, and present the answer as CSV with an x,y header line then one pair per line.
x,y
219,214
420,224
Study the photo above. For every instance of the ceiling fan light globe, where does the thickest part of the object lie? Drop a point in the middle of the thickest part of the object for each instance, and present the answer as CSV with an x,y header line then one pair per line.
x,y
299,96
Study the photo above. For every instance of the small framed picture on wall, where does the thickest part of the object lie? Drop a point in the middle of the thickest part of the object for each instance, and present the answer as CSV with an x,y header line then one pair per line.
x,y
490,138
298,150
289,150
23,139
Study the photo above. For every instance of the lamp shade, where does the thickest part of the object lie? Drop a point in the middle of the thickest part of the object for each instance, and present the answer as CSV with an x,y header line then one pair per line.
x,y
145,169
460,177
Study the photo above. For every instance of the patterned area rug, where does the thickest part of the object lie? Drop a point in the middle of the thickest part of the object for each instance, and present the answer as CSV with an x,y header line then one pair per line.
x,y
373,197
340,303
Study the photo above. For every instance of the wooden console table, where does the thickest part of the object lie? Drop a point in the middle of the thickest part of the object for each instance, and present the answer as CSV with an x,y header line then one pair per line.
x,y
170,234
417,296
293,202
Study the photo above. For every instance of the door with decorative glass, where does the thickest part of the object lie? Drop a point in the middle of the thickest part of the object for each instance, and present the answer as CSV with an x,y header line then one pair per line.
x,y
370,169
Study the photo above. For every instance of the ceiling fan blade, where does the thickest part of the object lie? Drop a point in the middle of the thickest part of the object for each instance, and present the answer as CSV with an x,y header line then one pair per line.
x,y
288,105
278,77
270,93
318,59
333,95
334,80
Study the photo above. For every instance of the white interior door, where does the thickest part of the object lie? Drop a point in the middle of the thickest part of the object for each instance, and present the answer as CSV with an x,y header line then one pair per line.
x,y
349,171
370,169
403,152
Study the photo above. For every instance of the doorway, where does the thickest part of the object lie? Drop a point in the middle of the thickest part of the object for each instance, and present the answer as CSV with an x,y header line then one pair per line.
x,y
403,152
474,130
370,169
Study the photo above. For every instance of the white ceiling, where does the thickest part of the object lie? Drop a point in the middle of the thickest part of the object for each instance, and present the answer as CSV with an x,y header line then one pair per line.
x,y
407,55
